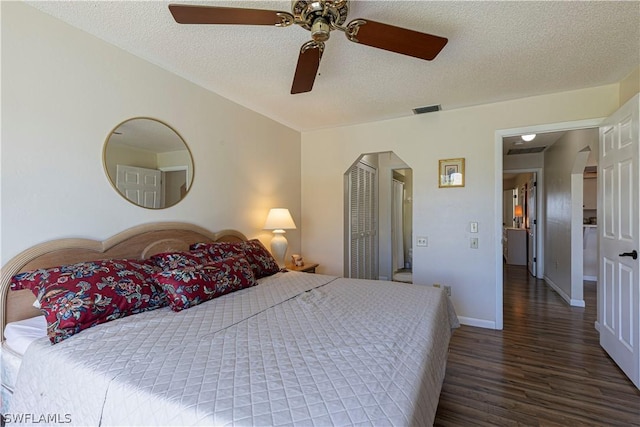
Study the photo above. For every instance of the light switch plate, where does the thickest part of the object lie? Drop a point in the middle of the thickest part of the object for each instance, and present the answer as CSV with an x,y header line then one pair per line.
x,y
474,227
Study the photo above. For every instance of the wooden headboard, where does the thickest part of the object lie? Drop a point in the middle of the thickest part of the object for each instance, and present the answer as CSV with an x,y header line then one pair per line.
x,y
141,241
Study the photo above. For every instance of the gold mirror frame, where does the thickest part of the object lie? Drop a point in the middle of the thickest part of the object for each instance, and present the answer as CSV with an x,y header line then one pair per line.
x,y
148,163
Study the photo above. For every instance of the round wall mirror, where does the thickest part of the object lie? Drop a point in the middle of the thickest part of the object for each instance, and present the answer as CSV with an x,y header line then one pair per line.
x,y
148,163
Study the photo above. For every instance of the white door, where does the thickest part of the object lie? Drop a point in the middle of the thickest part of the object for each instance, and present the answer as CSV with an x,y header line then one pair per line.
x,y
140,185
509,199
363,224
618,223
532,226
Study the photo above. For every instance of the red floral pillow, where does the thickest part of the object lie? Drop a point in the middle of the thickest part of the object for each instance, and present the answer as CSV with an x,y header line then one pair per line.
x,y
219,250
78,296
190,286
175,260
261,261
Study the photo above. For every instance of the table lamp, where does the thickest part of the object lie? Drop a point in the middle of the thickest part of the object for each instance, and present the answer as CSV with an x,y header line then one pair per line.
x,y
278,220
518,214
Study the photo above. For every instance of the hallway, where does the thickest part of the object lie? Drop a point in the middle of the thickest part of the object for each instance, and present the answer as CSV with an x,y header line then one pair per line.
x,y
545,368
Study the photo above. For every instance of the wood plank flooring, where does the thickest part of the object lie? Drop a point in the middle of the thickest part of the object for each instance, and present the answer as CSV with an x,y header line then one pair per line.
x,y
545,368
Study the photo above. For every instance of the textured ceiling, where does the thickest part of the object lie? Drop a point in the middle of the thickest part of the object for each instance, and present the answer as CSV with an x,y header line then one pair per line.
x,y
496,51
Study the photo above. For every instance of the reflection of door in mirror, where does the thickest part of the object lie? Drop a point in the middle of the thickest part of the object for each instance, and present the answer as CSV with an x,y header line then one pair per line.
x,y
158,163
141,186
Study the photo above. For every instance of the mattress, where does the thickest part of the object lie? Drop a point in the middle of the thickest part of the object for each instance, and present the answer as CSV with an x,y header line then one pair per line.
x,y
19,335
298,349
9,366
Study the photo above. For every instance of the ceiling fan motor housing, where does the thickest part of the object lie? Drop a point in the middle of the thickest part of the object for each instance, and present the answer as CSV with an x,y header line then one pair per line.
x,y
318,16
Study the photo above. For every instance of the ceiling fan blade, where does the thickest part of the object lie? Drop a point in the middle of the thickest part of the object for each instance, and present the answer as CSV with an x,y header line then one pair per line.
x,y
307,68
188,14
395,39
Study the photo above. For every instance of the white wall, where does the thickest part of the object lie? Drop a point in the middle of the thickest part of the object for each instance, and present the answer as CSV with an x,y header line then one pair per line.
x,y
128,156
441,214
629,86
173,158
62,93
563,253
523,161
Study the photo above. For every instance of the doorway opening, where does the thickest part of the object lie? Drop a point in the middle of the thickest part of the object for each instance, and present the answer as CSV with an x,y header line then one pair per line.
x,y
518,164
565,155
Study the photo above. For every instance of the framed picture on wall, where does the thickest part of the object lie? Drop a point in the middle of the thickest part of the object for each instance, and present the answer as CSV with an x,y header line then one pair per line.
x,y
451,173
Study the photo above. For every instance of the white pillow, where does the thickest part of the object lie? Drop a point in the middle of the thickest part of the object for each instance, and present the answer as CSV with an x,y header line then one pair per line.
x,y
23,332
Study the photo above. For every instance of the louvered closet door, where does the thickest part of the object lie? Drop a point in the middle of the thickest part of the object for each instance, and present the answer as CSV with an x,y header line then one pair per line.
x,y
363,246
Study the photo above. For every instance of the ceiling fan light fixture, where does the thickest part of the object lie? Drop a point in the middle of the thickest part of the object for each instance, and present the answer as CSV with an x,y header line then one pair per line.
x,y
320,30
528,137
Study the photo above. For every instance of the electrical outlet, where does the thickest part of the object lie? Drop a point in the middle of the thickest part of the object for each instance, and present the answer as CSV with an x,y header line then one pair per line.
x,y
474,243
422,241
473,227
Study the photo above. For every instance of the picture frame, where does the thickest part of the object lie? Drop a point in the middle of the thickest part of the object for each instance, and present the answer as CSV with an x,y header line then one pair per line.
x,y
451,173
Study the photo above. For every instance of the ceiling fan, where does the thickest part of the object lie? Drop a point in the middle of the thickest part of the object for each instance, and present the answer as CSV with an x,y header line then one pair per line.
x,y
320,17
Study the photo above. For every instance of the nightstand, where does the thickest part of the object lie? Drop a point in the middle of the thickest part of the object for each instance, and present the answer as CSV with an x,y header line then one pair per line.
x,y
307,268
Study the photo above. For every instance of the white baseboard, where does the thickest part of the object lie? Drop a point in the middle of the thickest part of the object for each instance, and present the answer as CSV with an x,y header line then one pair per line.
x,y
571,302
597,325
480,323
590,278
577,303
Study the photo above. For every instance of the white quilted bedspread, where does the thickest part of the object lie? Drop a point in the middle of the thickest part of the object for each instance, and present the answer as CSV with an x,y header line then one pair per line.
x,y
299,349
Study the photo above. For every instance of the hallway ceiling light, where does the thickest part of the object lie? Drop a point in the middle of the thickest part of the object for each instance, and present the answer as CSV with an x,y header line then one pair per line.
x,y
528,137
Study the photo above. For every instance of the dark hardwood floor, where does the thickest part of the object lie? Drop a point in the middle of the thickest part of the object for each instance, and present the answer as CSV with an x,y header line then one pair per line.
x,y
545,368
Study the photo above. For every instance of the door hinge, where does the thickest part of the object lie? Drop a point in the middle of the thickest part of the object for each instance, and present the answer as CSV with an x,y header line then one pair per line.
x,y
535,259
535,222
535,183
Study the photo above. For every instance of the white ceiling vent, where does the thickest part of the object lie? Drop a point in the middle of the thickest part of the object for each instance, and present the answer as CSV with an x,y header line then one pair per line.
x,y
427,109
525,150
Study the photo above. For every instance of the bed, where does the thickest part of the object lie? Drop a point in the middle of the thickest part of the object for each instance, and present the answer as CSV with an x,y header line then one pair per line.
x,y
293,349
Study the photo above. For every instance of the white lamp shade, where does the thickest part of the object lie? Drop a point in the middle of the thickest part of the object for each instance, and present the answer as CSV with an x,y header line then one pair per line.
x,y
279,219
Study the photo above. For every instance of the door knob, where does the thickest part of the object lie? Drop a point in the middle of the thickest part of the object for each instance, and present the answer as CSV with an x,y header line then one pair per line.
x,y
633,254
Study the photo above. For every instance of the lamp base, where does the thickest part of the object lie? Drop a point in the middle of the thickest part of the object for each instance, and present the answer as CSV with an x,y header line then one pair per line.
x,y
279,247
